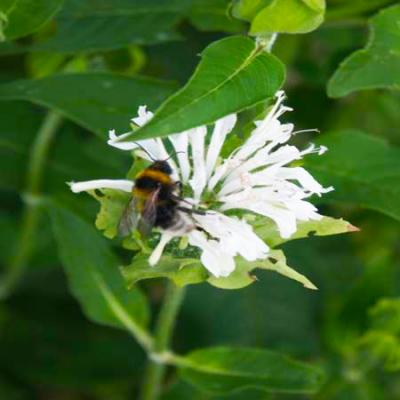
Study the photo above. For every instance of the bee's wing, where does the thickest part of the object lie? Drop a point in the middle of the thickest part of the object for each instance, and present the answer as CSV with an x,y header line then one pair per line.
x,y
129,219
149,214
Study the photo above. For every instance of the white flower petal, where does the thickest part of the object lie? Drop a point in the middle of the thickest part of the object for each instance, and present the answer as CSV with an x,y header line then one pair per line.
x,y
155,256
180,142
305,179
236,236
113,141
119,184
143,116
213,256
199,178
284,218
222,127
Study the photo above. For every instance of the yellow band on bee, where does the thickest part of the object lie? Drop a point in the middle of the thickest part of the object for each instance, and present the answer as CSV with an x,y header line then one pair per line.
x,y
158,176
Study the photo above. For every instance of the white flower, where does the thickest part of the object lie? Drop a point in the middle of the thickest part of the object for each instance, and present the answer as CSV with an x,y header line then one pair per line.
x,y
256,177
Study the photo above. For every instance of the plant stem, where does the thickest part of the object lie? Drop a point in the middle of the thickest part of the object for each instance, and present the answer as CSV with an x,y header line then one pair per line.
x,y
31,213
164,328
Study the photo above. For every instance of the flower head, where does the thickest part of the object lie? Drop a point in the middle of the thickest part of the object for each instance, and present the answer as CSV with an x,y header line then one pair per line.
x,y
256,178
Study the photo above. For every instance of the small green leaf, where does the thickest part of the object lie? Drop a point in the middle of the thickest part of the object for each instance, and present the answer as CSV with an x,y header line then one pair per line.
x,y
281,16
248,9
94,278
267,230
105,100
212,15
184,271
368,177
383,338
22,17
376,66
233,74
316,5
112,205
223,370
242,277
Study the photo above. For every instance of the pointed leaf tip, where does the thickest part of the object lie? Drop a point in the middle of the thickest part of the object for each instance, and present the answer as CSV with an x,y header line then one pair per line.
x,y
352,228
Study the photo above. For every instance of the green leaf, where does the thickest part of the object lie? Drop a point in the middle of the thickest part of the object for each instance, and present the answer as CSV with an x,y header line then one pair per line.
x,y
112,205
183,391
281,16
94,278
223,370
105,100
19,124
378,64
267,231
232,75
248,9
22,17
212,15
184,271
108,24
242,276
383,338
368,177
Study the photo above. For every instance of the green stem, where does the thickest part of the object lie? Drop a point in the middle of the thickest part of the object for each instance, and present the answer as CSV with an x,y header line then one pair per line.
x,y
164,327
31,213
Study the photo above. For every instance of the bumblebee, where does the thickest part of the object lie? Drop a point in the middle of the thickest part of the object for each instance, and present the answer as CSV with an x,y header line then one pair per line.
x,y
156,202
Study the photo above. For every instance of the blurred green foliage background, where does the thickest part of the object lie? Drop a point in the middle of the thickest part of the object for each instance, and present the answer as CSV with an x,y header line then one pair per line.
x,y
351,326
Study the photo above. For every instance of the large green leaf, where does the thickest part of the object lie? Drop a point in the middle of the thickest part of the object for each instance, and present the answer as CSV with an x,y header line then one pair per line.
x,y
223,370
22,17
97,101
364,170
19,123
94,278
108,24
283,16
233,74
376,66
182,391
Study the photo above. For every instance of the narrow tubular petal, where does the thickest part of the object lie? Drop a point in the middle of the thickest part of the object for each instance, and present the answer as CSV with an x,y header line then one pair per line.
x,y
305,179
143,116
113,141
157,252
180,142
222,127
119,184
199,178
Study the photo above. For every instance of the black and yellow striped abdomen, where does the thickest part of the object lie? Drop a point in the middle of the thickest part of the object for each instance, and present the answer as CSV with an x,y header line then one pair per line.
x,y
157,177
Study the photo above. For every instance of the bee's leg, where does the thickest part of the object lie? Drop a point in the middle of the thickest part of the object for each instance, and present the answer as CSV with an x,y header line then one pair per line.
x,y
191,211
179,188
179,199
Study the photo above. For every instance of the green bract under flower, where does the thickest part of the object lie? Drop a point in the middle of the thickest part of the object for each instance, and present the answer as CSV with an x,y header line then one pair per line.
x,y
254,189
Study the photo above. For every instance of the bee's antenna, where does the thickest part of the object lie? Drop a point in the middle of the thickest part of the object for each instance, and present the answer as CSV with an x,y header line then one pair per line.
x,y
174,154
150,156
